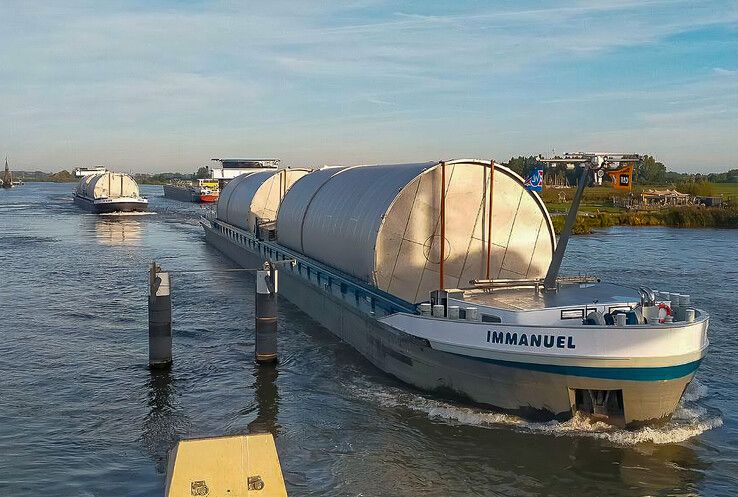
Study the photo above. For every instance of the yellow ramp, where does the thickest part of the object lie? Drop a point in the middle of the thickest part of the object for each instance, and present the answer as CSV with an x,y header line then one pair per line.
x,y
237,466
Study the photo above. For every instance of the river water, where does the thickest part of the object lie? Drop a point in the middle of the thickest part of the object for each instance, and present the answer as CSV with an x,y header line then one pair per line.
x,y
82,415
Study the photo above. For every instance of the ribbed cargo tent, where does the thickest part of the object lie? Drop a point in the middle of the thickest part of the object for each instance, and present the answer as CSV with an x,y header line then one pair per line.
x,y
83,183
108,185
381,224
253,196
294,206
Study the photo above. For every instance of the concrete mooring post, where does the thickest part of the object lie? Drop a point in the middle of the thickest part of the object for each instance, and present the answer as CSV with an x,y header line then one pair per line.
x,y
266,314
160,318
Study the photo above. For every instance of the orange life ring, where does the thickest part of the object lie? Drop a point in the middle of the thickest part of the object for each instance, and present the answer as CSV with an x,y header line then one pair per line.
x,y
666,309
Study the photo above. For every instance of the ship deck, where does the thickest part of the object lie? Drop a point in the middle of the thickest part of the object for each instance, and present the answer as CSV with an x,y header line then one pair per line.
x,y
569,295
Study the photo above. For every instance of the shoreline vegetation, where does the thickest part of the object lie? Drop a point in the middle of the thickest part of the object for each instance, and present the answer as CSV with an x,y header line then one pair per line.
x,y
600,208
65,176
675,217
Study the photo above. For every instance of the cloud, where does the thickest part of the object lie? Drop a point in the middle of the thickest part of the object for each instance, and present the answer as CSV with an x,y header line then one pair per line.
x,y
724,72
94,74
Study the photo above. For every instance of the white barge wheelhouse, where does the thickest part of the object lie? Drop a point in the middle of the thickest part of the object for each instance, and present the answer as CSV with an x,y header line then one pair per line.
x,y
504,342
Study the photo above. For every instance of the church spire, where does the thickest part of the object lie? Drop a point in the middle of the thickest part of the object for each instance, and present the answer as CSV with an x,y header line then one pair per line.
x,y
7,177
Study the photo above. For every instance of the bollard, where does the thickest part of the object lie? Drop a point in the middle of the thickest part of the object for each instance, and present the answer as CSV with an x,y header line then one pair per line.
x,y
689,315
160,318
453,312
266,314
675,309
472,314
621,320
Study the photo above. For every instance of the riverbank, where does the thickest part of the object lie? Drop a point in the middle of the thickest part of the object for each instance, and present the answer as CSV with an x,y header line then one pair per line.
x,y
676,217
600,208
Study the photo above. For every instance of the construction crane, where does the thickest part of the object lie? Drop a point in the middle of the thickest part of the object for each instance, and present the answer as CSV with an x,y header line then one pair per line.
x,y
595,163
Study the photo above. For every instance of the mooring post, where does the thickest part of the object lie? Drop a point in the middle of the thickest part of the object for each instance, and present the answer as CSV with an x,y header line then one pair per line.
x,y
160,318
266,314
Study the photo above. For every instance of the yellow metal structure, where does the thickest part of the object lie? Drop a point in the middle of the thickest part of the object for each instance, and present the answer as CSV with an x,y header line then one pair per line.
x,y
235,466
209,183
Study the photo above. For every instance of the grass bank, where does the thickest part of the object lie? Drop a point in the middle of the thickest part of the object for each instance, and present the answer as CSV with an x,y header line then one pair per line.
x,y
597,209
678,217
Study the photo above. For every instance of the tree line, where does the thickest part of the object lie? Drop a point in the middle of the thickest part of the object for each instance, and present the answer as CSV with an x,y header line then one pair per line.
x,y
649,171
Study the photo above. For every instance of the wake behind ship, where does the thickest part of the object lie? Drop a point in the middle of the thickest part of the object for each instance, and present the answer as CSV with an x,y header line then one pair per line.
x,y
435,273
108,192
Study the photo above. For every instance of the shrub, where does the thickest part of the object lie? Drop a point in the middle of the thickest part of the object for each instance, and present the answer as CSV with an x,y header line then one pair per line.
x,y
699,188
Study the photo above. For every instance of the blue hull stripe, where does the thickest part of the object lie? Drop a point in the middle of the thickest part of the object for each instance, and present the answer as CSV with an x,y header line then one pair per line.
x,y
630,374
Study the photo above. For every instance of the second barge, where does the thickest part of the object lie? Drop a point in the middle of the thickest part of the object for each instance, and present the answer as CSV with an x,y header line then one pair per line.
x,y
198,191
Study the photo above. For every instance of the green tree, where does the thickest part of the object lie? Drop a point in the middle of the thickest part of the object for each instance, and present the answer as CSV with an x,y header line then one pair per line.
x,y
524,165
700,188
517,164
726,177
62,176
650,172
202,173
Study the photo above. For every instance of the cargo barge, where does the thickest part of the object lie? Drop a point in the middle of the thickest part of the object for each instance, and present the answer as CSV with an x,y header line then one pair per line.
x,y
200,191
472,317
107,192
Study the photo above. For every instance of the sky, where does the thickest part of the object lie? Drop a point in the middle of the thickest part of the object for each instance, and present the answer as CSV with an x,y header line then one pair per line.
x,y
164,86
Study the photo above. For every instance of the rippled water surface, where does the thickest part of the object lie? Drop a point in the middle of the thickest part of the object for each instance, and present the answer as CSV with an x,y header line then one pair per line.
x,y
80,413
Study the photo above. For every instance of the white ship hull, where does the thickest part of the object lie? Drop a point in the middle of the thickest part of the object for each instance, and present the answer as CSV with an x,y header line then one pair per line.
x,y
646,373
108,205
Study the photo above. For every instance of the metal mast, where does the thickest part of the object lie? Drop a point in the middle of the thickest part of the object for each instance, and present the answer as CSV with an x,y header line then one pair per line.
x,y
588,162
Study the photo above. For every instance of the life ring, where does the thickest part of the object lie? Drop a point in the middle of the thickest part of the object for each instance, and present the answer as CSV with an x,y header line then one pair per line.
x,y
667,312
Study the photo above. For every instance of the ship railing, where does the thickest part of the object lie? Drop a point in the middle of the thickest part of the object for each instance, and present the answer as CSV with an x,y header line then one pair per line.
x,y
365,298
536,283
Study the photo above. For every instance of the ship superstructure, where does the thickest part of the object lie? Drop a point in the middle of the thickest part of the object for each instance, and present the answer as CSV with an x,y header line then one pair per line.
x,y
234,167
80,172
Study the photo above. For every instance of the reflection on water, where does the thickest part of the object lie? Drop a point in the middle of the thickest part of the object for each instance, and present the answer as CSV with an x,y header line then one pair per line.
x,y
267,400
672,469
165,422
117,230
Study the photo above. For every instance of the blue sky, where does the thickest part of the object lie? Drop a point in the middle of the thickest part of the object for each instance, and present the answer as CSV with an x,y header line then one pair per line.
x,y
156,85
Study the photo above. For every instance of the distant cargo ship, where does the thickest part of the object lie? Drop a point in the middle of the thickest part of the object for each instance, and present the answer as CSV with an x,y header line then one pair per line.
x,y
203,191
109,192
